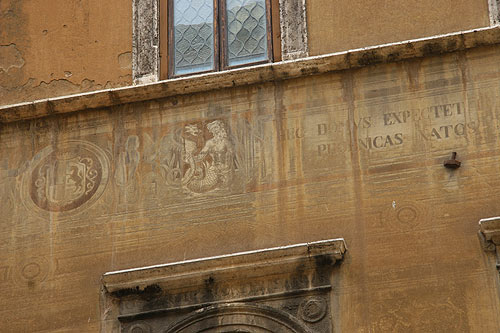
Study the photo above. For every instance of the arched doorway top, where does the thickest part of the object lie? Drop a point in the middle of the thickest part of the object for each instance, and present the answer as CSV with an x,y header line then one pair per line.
x,y
239,317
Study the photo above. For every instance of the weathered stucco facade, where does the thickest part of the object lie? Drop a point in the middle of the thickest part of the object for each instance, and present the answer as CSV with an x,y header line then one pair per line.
x,y
300,196
59,47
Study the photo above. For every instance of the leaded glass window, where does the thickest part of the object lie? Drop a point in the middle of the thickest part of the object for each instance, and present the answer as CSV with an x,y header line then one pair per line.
x,y
246,31
193,36
210,35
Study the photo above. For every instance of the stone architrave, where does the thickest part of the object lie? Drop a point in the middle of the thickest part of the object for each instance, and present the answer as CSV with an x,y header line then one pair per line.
x,y
283,289
494,12
145,32
293,25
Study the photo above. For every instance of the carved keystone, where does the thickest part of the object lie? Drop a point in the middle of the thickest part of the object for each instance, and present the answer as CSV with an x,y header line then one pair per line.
x,y
282,289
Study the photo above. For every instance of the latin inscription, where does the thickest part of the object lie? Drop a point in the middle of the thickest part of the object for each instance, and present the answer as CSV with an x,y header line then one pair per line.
x,y
388,129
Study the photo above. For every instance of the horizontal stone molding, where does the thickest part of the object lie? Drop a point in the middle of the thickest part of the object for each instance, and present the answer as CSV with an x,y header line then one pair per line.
x,y
249,264
351,59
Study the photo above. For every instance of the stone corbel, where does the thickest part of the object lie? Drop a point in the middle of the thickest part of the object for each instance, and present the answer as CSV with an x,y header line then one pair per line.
x,y
489,235
283,289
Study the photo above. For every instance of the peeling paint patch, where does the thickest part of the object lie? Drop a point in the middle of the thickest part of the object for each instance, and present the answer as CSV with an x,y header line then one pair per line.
x,y
54,88
125,60
10,57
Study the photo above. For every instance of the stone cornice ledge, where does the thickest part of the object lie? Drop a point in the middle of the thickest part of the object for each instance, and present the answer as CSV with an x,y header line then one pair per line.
x,y
248,265
489,233
356,58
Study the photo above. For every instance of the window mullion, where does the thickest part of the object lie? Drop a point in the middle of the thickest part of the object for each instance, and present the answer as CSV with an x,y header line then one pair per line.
x,y
269,30
217,32
222,34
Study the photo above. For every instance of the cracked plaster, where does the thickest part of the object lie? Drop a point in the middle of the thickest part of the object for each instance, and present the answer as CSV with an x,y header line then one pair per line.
x,y
10,57
44,55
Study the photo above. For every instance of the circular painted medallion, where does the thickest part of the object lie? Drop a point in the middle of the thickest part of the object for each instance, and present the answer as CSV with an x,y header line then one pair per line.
x,y
64,178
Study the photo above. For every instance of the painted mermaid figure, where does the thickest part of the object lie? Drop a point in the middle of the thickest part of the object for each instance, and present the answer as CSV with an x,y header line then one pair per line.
x,y
212,167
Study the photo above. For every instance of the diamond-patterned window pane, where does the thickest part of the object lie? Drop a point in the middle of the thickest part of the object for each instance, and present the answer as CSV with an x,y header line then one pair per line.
x,y
246,31
193,36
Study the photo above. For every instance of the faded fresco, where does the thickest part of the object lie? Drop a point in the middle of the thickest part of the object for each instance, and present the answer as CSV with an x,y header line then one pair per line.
x,y
356,154
198,159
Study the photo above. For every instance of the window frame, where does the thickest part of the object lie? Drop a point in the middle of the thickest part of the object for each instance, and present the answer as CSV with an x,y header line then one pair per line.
x,y
166,37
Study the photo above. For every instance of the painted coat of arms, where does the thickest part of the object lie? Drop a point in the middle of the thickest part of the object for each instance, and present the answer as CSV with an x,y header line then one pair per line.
x,y
61,182
66,177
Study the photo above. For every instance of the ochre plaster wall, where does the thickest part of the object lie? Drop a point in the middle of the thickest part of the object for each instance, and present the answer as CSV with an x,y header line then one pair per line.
x,y
55,48
59,47
357,154
339,25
